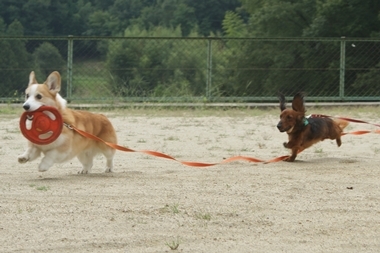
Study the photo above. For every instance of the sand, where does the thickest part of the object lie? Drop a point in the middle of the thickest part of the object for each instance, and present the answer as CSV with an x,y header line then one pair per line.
x,y
326,201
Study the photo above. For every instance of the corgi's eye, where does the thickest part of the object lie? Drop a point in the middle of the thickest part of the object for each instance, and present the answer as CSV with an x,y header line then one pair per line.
x,y
289,117
38,96
27,96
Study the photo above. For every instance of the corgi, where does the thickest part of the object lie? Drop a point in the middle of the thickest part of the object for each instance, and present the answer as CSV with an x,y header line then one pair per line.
x,y
69,144
304,132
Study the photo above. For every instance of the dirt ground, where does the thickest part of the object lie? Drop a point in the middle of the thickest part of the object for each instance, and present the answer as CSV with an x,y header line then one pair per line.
x,y
326,201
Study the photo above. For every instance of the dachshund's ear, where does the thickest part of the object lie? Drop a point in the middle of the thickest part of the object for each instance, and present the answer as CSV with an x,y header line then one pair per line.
x,y
298,102
281,97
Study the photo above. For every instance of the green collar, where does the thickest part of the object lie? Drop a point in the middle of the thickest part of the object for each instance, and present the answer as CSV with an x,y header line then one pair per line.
x,y
305,122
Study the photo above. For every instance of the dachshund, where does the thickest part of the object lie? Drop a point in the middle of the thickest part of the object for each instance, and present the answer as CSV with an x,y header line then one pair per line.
x,y
304,132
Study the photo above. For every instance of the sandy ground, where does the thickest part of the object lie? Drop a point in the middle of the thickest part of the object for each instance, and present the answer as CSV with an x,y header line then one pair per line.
x,y
327,201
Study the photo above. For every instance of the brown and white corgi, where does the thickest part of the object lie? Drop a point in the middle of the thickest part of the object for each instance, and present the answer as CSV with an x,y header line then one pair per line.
x,y
69,144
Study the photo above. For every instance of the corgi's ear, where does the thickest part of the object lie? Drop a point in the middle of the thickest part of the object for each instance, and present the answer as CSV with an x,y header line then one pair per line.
x,y
54,82
298,102
281,97
32,78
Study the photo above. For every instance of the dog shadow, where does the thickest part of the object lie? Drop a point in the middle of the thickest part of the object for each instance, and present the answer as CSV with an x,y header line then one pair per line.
x,y
81,177
326,160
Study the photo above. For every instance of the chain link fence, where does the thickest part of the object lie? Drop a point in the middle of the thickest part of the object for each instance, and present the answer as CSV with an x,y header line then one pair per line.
x,y
125,69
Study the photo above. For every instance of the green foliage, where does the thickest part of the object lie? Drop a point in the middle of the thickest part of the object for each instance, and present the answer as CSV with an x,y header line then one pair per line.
x,y
164,68
127,56
126,12
104,18
233,25
58,17
368,81
351,18
155,67
168,13
278,18
101,23
48,59
209,14
280,60
15,62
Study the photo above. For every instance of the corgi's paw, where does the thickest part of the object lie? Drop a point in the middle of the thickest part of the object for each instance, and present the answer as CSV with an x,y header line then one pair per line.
x,y
43,168
83,171
108,170
45,164
23,159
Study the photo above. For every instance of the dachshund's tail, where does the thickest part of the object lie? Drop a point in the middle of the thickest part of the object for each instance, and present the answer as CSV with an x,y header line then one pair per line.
x,y
342,123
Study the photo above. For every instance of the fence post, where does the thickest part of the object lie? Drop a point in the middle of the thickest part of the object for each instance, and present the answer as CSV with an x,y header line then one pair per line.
x,y
209,69
70,52
342,67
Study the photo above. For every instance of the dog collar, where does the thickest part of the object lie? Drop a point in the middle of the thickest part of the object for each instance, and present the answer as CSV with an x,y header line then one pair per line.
x,y
305,122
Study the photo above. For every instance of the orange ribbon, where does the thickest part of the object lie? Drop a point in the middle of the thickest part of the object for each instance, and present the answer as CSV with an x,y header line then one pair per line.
x,y
231,159
187,163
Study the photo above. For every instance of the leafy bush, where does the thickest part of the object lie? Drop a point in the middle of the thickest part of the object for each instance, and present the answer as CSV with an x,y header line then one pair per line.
x,y
156,67
48,59
15,62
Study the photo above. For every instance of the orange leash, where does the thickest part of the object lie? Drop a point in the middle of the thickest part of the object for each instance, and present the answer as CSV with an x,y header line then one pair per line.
x,y
231,159
361,132
162,155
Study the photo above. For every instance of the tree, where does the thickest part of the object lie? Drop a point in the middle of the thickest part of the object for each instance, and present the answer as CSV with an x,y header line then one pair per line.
x,y
158,67
209,14
126,11
350,18
101,23
15,61
48,59
234,26
96,17
170,14
279,18
305,18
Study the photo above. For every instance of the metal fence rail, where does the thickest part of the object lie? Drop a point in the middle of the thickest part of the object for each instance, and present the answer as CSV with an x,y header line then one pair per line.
x,y
138,69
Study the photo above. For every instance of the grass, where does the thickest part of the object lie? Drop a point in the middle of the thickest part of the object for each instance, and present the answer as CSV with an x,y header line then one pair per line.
x,y
7,137
93,81
376,150
141,141
173,245
8,111
174,209
203,216
12,130
171,138
43,188
262,145
40,188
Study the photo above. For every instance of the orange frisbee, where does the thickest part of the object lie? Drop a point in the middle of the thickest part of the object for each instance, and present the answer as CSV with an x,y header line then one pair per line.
x,y
42,126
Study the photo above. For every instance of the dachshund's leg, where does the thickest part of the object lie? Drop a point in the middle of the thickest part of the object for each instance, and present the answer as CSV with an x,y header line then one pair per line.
x,y
338,141
293,156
